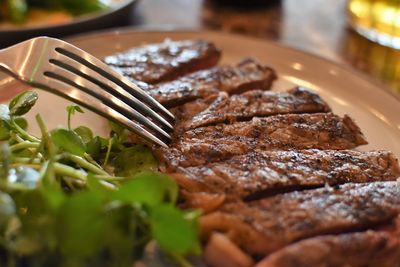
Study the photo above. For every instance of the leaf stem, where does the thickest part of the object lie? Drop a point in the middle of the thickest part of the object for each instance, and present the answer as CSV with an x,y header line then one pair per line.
x,y
17,138
110,178
91,160
32,165
46,136
24,133
69,120
110,142
23,145
66,170
86,165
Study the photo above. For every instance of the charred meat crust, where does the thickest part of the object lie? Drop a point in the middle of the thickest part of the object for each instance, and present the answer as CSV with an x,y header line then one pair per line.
x,y
165,61
251,160
370,248
282,132
247,75
264,226
257,103
263,174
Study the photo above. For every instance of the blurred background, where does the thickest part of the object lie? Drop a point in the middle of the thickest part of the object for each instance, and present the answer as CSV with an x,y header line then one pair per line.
x,y
364,34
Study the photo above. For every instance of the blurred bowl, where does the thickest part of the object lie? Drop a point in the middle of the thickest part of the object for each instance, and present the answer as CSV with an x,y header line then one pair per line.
x,y
246,3
118,12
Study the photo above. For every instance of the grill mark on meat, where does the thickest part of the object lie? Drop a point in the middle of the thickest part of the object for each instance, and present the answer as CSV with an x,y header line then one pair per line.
x,y
264,226
294,131
257,103
264,174
370,248
165,61
247,75
238,170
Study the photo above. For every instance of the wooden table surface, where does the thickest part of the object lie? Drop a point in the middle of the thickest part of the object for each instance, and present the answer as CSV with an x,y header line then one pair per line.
x,y
316,26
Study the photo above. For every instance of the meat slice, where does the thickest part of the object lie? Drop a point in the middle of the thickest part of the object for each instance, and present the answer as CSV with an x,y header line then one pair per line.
x,y
265,173
165,61
294,131
266,225
247,75
365,249
258,103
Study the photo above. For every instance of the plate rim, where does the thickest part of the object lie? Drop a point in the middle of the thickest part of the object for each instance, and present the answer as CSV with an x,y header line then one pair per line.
x,y
80,19
379,85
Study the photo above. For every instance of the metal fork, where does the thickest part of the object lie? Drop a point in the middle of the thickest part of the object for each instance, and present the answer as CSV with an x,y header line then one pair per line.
x,y
65,70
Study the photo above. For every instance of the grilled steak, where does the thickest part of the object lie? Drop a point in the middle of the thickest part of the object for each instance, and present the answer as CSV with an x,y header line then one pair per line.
x,y
265,173
247,75
295,131
258,103
271,169
165,61
365,249
264,226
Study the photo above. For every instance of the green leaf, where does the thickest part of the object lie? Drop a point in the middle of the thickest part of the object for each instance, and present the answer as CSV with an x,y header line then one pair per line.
x,y
96,145
7,209
134,160
17,10
4,122
93,147
68,141
21,122
120,132
172,231
4,160
4,130
95,186
116,127
80,225
72,108
127,231
148,188
71,111
53,194
85,133
36,221
79,7
22,103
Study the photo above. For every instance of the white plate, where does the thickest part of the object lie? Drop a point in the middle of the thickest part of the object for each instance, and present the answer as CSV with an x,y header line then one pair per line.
x,y
375,110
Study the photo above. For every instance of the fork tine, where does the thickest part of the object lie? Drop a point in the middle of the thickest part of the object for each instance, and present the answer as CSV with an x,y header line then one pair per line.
x,y
104,97
77,96
81,70
98,66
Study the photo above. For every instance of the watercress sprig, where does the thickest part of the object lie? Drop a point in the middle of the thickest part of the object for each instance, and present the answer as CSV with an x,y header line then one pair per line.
x,y
70,198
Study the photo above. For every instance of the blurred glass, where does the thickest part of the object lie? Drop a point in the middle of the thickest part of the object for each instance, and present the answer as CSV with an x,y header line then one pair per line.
x,y
259,18
377,20
380,61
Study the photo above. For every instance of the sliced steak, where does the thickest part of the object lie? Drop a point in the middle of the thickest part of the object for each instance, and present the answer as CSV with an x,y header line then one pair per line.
x,y
257,103
266,225
265,173
185,112
247,75
365,249
294,131
165,61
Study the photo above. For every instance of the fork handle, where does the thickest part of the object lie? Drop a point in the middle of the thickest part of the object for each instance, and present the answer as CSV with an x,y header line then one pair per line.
x,y
5,61
15,59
